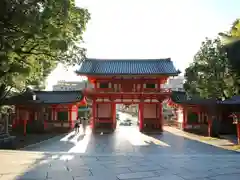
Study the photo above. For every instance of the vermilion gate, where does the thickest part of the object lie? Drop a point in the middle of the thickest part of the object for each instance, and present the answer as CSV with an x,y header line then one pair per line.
x,y
127,82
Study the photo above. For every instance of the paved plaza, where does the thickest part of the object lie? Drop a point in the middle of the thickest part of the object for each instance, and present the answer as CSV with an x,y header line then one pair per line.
x,y
126,154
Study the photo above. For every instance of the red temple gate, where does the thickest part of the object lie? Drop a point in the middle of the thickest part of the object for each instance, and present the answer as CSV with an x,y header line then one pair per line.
x,y
127,82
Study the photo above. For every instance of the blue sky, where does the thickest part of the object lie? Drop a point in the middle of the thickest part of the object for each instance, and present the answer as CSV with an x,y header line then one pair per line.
x,y
151,29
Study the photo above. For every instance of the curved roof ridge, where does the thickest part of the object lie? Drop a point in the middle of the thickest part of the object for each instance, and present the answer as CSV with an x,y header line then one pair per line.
x,y
131,59
128,67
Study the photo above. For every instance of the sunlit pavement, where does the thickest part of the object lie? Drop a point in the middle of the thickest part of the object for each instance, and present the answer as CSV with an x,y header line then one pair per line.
x,y
126,154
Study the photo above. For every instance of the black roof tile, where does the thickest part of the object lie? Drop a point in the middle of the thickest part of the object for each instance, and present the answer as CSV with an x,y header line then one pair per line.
x,y
46,97
181,97
235,100
127,67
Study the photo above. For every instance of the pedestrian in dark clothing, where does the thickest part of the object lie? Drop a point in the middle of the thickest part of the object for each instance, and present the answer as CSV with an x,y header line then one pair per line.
x,y
77,125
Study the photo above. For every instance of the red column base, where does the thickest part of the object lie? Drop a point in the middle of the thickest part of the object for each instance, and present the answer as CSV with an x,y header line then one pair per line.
x,y
161,128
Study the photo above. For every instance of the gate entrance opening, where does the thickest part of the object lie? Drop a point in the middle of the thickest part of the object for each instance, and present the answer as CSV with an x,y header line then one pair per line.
x,y
127,115
127,82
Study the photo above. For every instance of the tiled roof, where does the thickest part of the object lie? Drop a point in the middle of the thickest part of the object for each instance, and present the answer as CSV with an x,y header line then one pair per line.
x,y
51,97
127,67
180,97
46,97
234,100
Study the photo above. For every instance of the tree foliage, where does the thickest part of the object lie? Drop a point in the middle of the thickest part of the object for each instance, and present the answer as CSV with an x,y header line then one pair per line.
x,y
231,41
233,35
210,74
36,35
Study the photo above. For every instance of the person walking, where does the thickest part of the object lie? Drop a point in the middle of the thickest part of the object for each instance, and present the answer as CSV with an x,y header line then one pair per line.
x,y
84,124
77,125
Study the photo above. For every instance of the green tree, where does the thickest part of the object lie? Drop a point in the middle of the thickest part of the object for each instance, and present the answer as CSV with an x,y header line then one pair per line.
x,y
231,44
36,35
210,74
233,35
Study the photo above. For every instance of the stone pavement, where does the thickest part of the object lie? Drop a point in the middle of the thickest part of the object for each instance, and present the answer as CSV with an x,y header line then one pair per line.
x,y
225,142
124,155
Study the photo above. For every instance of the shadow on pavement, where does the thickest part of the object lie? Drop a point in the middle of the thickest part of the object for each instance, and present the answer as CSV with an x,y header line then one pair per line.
x,y
56,162
46,166
61,143
126,140
185,145
71,137
80,138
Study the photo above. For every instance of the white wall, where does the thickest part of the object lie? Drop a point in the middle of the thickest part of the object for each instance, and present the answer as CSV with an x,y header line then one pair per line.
x,y
180,115
150,111
104,110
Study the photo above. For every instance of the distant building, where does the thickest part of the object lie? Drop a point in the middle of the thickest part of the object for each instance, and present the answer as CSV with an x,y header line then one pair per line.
x,y
71,85
83,110
176,83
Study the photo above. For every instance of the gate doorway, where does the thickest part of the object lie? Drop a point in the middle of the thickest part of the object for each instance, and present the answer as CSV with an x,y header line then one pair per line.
x,y
127,115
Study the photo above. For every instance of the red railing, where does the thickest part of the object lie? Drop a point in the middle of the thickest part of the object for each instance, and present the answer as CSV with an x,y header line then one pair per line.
x,y
112,90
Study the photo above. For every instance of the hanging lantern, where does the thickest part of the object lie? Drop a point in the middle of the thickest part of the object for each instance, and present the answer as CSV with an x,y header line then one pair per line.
x,y
83,102
34,97
236,118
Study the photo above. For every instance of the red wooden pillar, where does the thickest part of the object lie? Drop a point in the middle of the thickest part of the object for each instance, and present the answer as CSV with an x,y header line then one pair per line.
x,y
24,127
209,126
199,117
184,118
25,122
238,132
140,116
236,120
17,116
53,113
70,117
45,119
159,85
160,116
93,113
113,115
45,124
14,122
95,85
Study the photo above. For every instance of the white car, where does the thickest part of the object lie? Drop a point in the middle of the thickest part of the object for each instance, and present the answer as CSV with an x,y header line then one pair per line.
x,y
126,122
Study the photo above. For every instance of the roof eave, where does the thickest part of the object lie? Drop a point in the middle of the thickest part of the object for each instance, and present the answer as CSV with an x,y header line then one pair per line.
x,y
126,74
22,102
67,102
